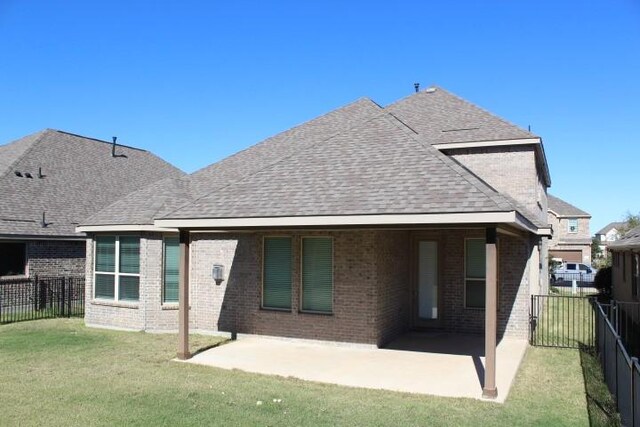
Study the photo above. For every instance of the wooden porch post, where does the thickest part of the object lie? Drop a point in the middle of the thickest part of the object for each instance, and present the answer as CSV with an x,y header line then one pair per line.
x,y
183,297
489,390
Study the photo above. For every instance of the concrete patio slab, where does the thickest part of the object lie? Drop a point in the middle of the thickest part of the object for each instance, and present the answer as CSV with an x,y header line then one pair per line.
x,y
439,364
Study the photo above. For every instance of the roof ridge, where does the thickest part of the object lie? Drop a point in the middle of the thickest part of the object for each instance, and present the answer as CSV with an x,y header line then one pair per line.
x,y
362,98
96,139
485,188
459,98
281,159
25,152
503,120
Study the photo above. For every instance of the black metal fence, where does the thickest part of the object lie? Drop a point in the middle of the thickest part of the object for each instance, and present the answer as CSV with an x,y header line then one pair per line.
x,y
579,283
562,321
621,372
625,319
41,297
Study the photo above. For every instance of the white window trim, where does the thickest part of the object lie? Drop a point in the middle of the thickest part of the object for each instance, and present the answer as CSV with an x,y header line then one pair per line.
x,y
569,225
116,273
162,288
333,273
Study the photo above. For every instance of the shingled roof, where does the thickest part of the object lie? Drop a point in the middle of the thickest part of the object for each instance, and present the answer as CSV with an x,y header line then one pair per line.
x,y
376,167
617,225
564,209
443,118
630,240
158,200
78,177
360,159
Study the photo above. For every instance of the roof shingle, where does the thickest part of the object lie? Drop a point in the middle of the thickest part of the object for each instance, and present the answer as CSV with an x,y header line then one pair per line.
x,y
564,209
80,177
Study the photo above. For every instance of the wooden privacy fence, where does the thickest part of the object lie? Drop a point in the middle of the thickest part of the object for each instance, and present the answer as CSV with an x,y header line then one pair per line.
x,y
41,297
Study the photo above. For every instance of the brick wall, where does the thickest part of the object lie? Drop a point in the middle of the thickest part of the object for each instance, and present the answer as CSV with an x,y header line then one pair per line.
x,y
511,170
393,290
372,288
55,258
561,237
621,276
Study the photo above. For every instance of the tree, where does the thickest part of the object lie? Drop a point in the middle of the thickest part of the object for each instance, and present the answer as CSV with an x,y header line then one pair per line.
x,y
630,221
597,257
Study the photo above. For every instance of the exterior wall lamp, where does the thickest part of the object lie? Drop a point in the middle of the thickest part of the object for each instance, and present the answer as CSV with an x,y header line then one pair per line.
x,y
218,273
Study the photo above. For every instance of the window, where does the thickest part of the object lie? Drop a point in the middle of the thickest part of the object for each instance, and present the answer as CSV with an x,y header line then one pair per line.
x,y
276,273
635,274
170,269
117,268
317,274
571,266
475,273
573,225
13,258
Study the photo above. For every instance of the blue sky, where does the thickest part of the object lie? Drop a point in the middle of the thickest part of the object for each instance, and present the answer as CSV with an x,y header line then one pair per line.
x,y
196,81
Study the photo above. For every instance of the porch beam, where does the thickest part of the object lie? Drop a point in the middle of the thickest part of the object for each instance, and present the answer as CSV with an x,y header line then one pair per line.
x,y
183,297
490,390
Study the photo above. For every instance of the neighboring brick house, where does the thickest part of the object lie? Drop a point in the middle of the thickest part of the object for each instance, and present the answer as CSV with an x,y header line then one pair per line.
x,y
571,236
609,233
49,182
354,227
625,270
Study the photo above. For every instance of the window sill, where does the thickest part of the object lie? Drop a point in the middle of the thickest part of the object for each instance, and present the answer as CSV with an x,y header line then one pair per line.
x,y
278,310
321,313
170,306
111,303
15,277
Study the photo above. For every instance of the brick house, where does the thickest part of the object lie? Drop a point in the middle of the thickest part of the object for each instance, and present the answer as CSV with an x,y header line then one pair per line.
x,y
354,227
49,182
609,233
625,268
571,239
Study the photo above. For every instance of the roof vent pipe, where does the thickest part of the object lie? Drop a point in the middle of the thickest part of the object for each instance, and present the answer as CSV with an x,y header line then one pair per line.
x,y
40,173
113,147
416,87
44,220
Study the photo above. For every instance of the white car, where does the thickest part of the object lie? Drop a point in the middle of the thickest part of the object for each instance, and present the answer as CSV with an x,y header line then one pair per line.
x,y
569,271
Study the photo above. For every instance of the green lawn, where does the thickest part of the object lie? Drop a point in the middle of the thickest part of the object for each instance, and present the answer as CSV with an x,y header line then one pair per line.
x,y
57,372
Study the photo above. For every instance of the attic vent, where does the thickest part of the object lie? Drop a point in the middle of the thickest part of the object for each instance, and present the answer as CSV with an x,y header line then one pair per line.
x,y
18,173
459,130
28,175
430,89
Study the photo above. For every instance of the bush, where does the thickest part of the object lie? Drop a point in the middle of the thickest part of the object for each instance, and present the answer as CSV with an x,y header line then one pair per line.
x,y
602,281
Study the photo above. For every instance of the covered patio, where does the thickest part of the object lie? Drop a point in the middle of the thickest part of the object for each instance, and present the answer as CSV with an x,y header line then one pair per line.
x,y
451,365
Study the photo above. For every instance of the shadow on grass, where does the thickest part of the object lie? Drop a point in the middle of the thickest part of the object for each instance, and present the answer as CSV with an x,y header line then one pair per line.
x,y
600,403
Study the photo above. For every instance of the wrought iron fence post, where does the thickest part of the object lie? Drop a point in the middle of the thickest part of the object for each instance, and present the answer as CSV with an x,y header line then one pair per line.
x,y
69,297
634,361
61,298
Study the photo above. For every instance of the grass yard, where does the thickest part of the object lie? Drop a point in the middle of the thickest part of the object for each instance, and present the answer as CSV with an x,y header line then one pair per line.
x,y
57,372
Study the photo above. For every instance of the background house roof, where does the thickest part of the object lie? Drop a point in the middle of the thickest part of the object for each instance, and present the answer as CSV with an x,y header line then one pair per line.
x,y
79,177
564,209
611,226
631,240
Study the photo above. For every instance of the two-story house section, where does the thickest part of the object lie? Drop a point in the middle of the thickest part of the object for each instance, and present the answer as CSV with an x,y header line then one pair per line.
x,y
571,239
